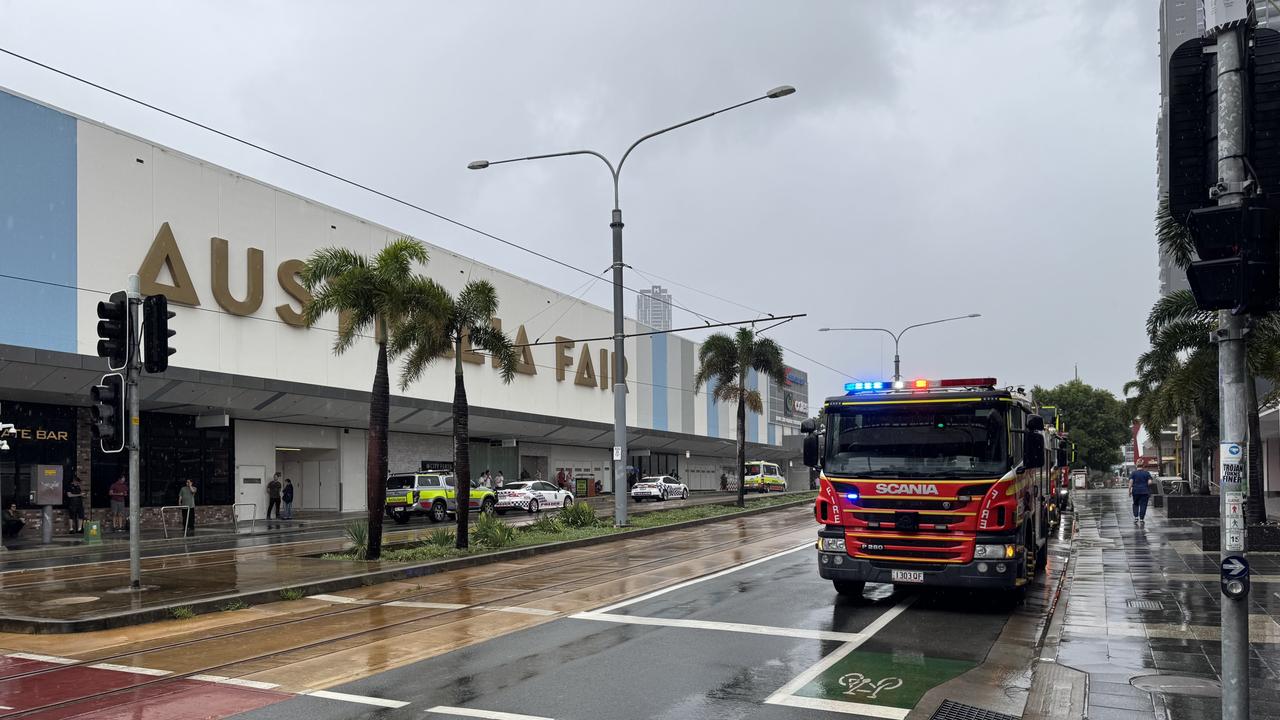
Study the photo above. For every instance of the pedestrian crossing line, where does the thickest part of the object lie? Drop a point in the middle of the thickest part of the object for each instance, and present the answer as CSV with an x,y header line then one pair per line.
x,y
721,626
340,599
359,699
131,669
255,684
852,708
42,658
487,714
519,610
344,600
426,605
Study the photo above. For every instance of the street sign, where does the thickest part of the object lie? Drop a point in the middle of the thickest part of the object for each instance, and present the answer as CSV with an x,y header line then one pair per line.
x,y
617,452
1234,566
1230,469
1224,13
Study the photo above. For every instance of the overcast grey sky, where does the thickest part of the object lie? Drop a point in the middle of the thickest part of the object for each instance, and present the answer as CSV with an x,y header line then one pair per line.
x,y
939,158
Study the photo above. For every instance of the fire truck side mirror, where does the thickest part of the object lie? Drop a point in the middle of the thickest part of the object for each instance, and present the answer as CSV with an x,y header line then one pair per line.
x,y
808,426
811,450
1032,449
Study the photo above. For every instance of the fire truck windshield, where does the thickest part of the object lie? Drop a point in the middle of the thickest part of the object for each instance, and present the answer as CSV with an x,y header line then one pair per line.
x,y
926,440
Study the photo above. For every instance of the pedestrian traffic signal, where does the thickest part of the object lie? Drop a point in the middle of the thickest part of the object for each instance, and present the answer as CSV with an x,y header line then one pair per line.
x,y
156,333
113,330
107,414
1239,265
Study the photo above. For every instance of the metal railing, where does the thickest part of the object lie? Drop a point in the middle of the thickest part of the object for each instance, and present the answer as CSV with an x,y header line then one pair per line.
x,y
164,523
235,516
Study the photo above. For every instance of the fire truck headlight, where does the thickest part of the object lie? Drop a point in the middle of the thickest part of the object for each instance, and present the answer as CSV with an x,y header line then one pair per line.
x,y
993,552
833,544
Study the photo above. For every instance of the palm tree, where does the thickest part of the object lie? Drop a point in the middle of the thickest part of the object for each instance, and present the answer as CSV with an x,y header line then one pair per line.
x,y
724,362
367,293
440,326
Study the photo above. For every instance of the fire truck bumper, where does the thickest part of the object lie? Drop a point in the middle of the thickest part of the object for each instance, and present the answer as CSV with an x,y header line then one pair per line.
x,y
978,574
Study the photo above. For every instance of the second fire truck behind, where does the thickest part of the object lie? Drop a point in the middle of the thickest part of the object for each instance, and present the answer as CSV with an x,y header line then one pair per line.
x,y
942,483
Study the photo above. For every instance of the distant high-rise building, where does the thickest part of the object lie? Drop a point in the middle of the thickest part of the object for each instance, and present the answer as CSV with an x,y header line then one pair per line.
x,y
1180,21
653,308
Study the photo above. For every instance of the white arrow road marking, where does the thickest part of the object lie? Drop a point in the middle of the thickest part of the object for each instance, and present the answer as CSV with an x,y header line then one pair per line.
x,y
362,699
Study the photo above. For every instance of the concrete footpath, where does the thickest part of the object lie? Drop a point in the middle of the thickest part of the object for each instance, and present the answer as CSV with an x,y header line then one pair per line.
x,y
95,595
1136,634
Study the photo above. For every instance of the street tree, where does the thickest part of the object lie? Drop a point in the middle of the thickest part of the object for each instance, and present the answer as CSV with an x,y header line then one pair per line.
x,y
724,362
368,294
440,326
1096,419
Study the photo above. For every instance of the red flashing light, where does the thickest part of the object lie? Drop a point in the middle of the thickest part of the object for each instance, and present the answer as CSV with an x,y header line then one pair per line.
x,y
969,382
920,384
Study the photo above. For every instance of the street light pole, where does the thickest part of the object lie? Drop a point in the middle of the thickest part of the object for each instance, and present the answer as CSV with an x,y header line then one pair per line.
x,y
619,329
897,337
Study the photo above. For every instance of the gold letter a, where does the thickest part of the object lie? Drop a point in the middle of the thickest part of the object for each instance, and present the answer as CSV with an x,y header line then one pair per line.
x,y
164,252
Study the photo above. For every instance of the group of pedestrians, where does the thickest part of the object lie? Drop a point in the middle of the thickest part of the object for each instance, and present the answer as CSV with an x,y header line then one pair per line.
x,y
493,482
278,493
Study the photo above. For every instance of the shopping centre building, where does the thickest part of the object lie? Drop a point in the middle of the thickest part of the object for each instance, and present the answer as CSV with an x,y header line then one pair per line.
x,y
252,390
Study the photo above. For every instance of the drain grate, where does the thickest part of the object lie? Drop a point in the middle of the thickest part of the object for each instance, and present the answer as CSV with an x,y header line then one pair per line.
x,y
1145,604
952,710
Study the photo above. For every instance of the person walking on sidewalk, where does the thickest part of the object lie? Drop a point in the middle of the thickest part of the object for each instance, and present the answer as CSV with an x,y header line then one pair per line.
x,y
119,493
287,495
187,499
75,506
273,496
1140,489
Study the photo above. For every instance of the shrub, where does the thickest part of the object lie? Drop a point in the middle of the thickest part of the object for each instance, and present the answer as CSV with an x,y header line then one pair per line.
x,y
233,605
440,537
182,613
492,532
546,524
358,534
578,515
292,594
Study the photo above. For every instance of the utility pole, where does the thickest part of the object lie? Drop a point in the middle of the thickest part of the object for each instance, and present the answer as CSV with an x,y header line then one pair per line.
x,y
1233,420
134,419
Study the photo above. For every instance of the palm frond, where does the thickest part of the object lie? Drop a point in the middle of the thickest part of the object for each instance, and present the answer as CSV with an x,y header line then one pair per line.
x,y
727,391
1177,306
1172,235
753,402
476,304
499,346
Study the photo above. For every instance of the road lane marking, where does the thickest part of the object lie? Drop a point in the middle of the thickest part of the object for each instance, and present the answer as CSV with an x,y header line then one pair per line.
x,y
518,609
488,714
131,669
361,699
704,578
785,695
427,605
42,658
341,599
722,626
808,703
255,684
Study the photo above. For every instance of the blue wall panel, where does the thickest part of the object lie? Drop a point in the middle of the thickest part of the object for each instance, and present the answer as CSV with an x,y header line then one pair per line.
x,y
753,420
37,225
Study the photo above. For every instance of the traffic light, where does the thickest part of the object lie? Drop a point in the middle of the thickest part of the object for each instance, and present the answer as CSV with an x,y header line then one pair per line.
x,y
107,414
156,333
113,330
1239,265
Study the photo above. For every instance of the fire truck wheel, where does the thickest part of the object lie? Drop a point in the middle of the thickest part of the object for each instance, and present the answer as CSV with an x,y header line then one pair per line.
x,y
849,588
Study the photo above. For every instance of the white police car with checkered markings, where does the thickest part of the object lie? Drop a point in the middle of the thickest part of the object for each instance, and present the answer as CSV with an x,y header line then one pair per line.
x,y
531,496
659,487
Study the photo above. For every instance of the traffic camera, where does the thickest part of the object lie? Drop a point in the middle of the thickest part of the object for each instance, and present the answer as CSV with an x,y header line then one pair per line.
x,y
107,414
156,333
114,330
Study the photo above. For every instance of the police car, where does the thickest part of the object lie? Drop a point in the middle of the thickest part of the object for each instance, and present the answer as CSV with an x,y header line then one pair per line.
x,y
532,496
659,487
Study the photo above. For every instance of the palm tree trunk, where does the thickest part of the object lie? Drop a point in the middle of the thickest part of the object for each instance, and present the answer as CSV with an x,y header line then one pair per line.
x,y
1256,507
461,449
742,444
376,458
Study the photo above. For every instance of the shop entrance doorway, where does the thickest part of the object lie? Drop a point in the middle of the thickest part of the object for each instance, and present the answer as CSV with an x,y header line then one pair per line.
x,y
315,478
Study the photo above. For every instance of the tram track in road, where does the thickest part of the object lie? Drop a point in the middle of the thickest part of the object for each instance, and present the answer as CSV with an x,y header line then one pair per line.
x,y
292,626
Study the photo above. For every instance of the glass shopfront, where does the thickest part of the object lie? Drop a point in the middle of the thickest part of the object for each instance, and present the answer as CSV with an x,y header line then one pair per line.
x,y
174,449
46,435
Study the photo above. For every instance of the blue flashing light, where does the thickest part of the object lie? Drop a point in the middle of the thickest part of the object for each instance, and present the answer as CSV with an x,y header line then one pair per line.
x,y
851,496
865,386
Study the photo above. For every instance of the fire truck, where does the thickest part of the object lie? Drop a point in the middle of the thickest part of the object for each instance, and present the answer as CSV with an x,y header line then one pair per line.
x,y
932,482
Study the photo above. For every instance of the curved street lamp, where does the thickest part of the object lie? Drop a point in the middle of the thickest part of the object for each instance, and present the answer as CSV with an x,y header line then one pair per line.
x,y
620,385
897,360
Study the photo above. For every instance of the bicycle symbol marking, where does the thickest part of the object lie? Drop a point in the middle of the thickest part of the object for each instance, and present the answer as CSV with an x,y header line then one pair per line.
x,y
859,684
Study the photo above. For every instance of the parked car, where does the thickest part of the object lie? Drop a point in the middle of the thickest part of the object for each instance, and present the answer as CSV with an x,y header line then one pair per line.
x,y
433,495
659,487
763,477
531,495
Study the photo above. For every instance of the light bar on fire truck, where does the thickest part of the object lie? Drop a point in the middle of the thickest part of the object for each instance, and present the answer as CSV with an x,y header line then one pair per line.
x,y
853,388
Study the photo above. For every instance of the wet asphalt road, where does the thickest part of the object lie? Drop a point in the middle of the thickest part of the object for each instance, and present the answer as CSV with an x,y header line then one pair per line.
x,y
716,647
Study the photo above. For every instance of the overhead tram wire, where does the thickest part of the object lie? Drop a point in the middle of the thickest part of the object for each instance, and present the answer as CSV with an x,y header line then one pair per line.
x,y
352,183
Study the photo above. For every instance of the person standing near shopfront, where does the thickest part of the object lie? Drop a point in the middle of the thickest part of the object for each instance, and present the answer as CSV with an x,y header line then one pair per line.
x,y
119,494
287,495
1140,489
75,506
187,499
273,496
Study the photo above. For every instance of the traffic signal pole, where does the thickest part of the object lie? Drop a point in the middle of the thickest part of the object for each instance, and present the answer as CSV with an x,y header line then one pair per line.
x,y
133,419
1233,420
